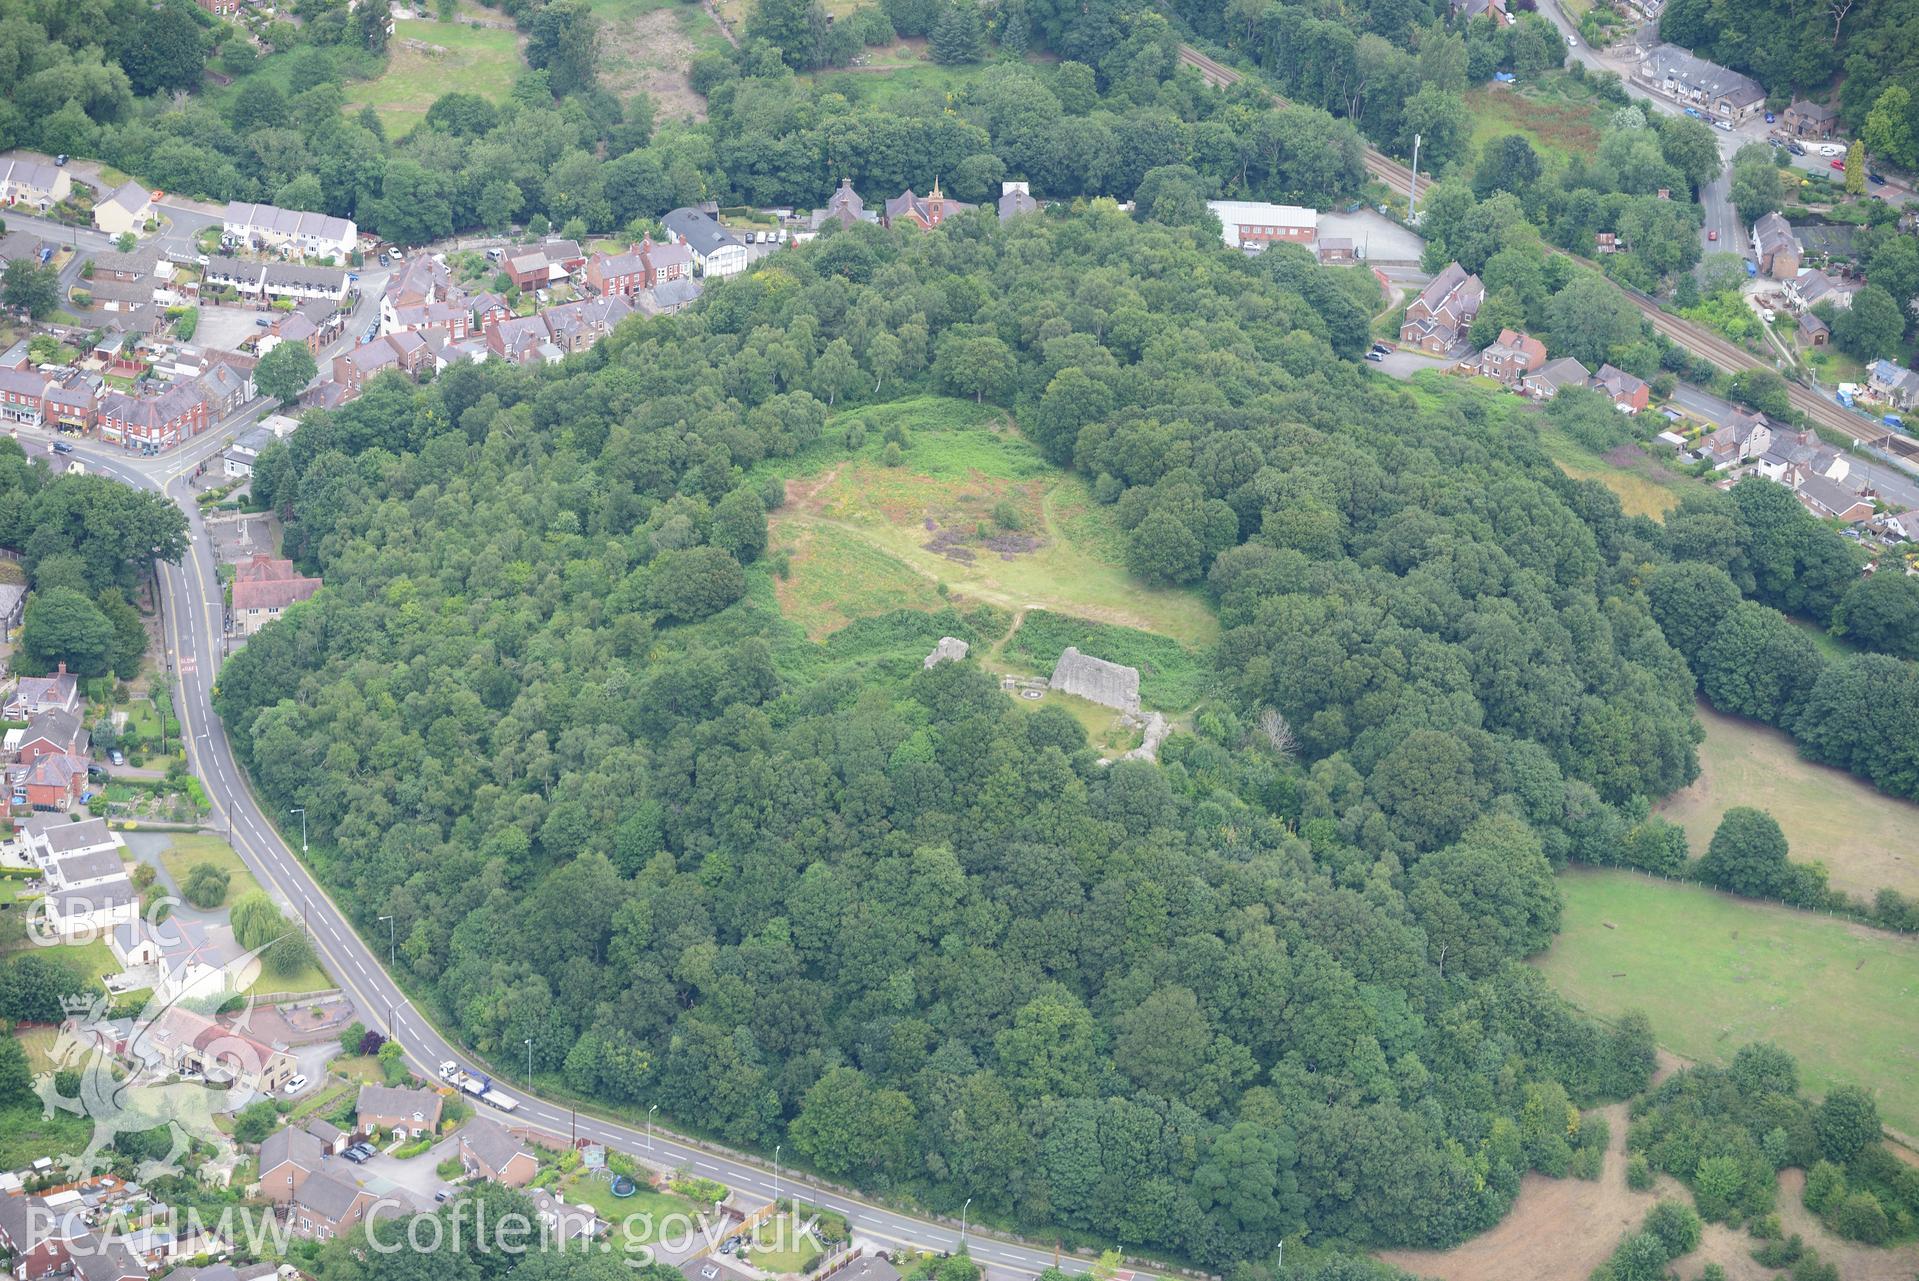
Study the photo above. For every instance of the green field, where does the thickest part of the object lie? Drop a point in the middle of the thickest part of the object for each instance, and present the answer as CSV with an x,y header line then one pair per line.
x,y
188,850
861,537
646,46
426,59
1867,840
1714,972
1559,126
1169,678
26,1135
1643,487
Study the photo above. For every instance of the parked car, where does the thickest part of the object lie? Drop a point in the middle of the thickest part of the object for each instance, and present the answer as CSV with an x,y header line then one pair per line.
x,y
1713,234
1795,149
1376,356
1723,124
1770,117
1839,164
441,1195
62,447
1695,113
1877,179
117,756
263,322
1832,149
60,159
297,1084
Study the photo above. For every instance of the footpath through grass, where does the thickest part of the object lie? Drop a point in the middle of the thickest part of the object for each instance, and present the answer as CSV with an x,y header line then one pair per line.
x,y
1714,972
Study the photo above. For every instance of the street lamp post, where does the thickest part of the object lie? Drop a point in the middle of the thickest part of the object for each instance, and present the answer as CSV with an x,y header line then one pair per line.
x,y
963,1212
529,1060
649,1126
776,1172
301,811
390,946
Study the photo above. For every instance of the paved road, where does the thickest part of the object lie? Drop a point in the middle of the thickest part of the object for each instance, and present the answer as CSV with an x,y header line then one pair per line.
x,y
192,615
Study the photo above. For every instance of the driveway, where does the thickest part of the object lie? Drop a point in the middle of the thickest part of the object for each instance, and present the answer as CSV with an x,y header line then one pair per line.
x,y
414,1179
1404,364
225,328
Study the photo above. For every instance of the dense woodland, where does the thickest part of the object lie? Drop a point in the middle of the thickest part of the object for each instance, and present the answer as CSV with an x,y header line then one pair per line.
x,y
543,715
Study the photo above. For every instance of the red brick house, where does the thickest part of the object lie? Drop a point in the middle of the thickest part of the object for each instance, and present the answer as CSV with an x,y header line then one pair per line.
x,y
486,1149
543,265
1509,358
155,422
576,326
55,781
403,351
641,267
43,1240
1622,388
1438,319
264,588
21,393
925,212
488,311
52,732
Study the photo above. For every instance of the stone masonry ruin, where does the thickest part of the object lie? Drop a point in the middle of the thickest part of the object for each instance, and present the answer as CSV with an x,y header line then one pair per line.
x,y
1098,681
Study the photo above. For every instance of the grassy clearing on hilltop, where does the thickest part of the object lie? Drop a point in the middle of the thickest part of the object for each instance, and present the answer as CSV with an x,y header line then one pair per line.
x,y
1169,677
649,46
1557,123
1868,841
1714,972
426,59
861,539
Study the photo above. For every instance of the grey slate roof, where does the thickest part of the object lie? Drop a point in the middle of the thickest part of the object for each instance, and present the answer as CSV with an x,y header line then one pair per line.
x,y
704,235
290,1144
324,1194
491,1143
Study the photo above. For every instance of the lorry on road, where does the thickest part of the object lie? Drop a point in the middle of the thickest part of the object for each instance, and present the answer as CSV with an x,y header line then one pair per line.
x,y
477,1085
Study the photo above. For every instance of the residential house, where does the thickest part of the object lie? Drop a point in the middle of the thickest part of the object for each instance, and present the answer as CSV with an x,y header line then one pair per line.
x,y
925,212
18,357
22,393
844,207
867,1267
311,235
327,1206
47,733
643,266
60,690
1336,251
716,252
95,1259
293,326
1741,438
28,246
123,297
1509,359
539,266
288,1158
1811,119
449,318
71,406
1629,393
1554,377
297,280
1716,90
1606,242
1790,454
154,422
1813,332
50,840
265,587
713,1267
41,1239
1894,384
333,1140
1813,286
562,1222
183,1041
33,183
1467,10
490,309
576,326
239,458
668,296
1251,225
384,1108
422,281
225,388
127,209
1776,250
403,351
1438,319
89,911
1015,198
489,1151
521,340
1831,500
142,264
182,956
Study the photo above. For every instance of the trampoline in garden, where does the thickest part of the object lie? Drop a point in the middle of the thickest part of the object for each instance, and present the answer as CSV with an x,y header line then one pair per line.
x,y
621,1186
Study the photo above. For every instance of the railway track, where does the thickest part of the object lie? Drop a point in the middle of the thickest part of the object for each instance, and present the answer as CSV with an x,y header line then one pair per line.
x,y
1694,338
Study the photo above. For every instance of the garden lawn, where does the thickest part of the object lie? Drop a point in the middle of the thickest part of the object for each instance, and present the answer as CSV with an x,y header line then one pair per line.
x,y
1714,972
188,850
583,1189
310,979
1867,840
427,59
38,1043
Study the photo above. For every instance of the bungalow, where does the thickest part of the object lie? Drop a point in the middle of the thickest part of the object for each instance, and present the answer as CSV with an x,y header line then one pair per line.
x,y
380,1107
139,265
34,183
22,393
1251,225
1894,384
1813,332
127,209
59,690
1720,92
1438,319
1774,247
1629,393
716,252
1552,378
1831,500
123,297
545,264
265,587
1509,358
487,1150
1811,119
564,1223
311,235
